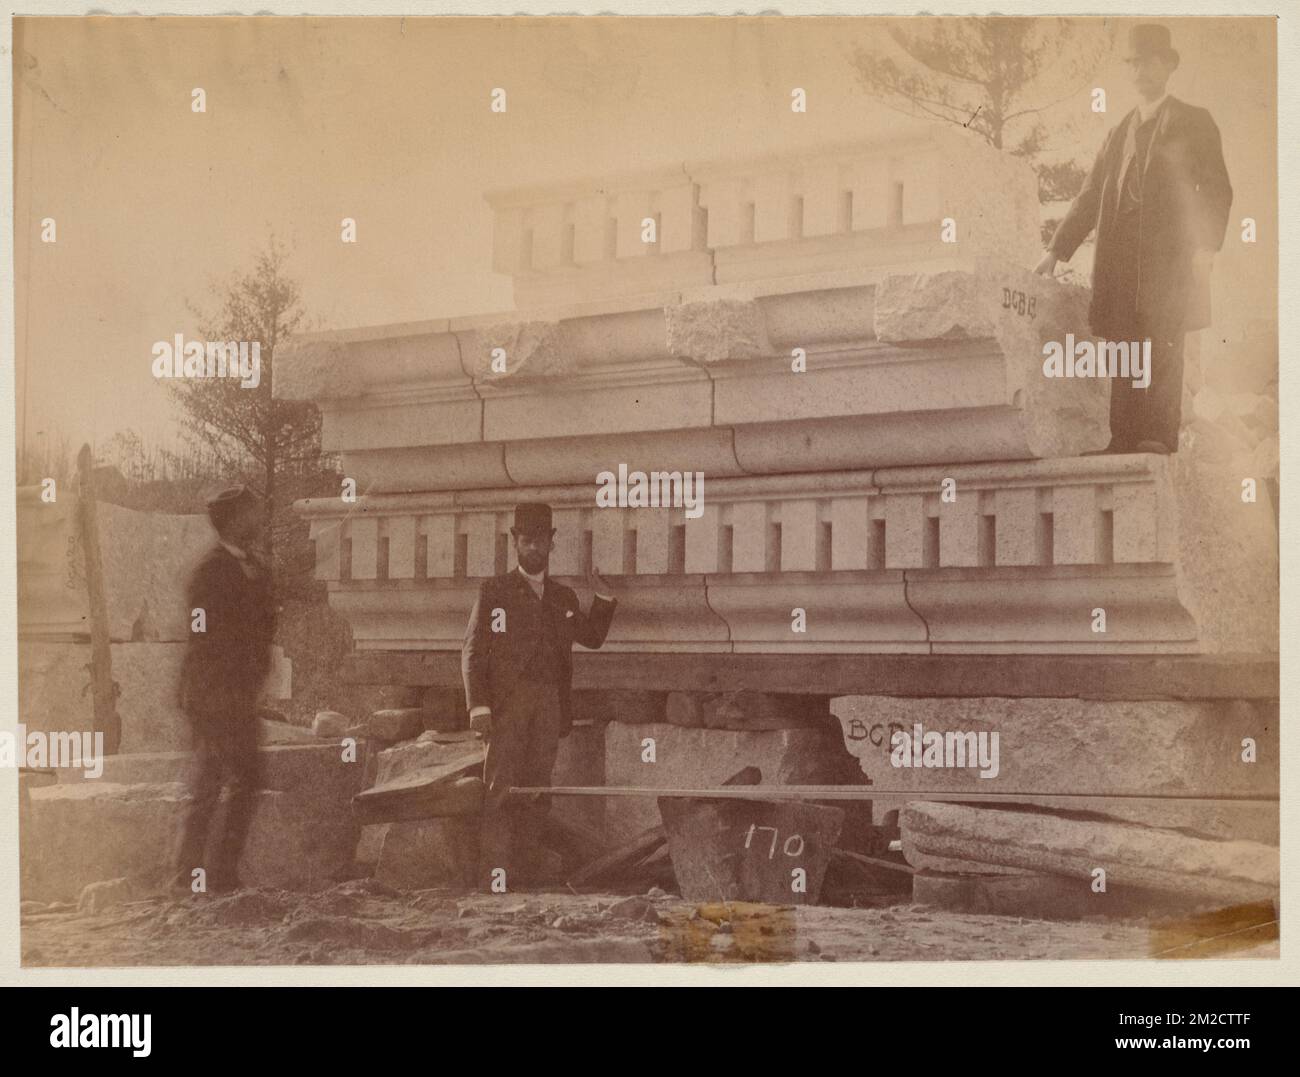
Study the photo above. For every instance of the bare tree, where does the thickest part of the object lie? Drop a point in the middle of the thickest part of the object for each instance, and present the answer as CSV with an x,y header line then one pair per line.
x,y
47,454
247,428
995,76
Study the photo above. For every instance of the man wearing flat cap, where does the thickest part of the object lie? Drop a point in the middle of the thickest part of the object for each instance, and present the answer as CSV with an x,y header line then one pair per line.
x,y
226,662
1158,196
517,668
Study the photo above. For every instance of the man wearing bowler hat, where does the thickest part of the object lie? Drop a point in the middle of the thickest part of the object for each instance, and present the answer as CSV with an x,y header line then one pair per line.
x,y
1158,196
517,667
226,662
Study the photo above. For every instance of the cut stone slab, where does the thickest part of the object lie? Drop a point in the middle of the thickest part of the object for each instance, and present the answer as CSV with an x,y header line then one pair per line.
x,y
420,794
740,850
330,724
52,677
462,796
580,760
397,724
52,602
315,771
370,844
612,705
1227,547
1149,748
79,833
1229,872
423,854
746,710
408,758
688,758
946,865
146,559
641,849
379,697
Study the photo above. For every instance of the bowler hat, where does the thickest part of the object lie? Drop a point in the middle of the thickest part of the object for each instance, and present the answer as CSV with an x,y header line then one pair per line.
x,y
531,517
1150,39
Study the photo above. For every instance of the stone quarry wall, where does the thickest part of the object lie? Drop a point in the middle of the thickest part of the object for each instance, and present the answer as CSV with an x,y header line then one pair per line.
x,y
146,559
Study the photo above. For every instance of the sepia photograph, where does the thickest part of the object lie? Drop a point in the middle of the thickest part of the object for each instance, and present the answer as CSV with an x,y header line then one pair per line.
x,y
682,491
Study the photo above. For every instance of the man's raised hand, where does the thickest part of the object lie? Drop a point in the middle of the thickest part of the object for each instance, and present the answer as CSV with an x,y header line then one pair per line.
x,y
598,585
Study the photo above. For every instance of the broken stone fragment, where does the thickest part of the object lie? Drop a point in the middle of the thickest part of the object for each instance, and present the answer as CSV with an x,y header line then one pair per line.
x,y
510,350
1019,312
427,853
715,330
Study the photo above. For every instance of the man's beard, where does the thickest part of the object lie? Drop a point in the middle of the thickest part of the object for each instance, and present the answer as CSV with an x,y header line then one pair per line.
x,y
532,564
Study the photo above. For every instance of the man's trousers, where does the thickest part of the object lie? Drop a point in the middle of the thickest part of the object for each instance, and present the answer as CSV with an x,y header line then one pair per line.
x,y
226,745
521,751
1153,413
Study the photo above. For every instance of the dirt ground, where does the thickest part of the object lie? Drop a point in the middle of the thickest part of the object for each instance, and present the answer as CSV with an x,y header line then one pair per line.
x,y
361,923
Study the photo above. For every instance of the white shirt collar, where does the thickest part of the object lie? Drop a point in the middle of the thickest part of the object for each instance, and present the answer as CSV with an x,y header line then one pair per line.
x,y
234,550
539,580
1145,111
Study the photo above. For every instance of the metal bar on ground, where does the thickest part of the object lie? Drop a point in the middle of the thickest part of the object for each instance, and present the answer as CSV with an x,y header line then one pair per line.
x,y
875,862
842,792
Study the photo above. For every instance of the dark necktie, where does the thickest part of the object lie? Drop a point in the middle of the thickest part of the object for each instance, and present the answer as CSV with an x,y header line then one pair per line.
x,y
1132,194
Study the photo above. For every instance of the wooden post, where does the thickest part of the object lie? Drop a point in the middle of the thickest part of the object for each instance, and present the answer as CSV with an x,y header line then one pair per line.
x,y
102,687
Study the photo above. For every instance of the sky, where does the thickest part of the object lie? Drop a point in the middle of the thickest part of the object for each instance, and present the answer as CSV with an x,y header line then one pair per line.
x,y
386,121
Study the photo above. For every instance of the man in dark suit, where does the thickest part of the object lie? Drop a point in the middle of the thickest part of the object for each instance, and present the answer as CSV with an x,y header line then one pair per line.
x,y
225,665
517,667
1158,196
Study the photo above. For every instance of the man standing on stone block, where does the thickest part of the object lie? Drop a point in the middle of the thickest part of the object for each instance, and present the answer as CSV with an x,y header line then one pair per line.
x,y
225,665
1158,196
517,667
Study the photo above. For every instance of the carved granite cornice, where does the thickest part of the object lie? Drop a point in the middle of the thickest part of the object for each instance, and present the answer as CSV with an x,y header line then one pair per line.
x,y
1018,560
